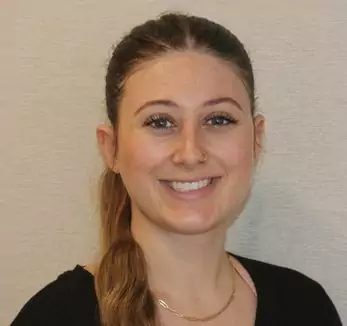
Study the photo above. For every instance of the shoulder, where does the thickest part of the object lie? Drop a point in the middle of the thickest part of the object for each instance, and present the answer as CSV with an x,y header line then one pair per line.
x,y
279,278
68,300
283,291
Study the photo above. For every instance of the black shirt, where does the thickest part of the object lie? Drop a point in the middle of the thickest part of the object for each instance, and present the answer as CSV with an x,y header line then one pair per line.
x,y
285,298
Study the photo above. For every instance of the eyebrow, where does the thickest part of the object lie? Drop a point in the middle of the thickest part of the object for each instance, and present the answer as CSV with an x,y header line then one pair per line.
x,y
173,104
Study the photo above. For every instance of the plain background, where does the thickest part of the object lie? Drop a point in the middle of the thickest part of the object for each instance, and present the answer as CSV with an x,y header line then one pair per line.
x,y
53,56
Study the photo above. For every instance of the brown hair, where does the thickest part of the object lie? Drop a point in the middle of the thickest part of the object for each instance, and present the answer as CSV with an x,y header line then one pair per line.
x,y
123,292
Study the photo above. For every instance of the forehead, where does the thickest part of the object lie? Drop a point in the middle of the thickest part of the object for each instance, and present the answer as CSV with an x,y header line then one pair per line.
x,y
188,78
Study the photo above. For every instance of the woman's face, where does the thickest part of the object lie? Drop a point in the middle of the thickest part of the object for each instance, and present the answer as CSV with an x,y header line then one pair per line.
x,y
187,142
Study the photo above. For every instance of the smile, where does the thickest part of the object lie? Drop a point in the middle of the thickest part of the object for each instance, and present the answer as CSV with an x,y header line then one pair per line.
x,y
188,186
191,190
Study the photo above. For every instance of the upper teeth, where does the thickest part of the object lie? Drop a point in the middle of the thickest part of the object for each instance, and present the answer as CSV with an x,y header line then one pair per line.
x,y
189,186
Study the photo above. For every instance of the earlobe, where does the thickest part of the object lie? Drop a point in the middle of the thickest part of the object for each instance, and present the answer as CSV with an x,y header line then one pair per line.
x,y
107,145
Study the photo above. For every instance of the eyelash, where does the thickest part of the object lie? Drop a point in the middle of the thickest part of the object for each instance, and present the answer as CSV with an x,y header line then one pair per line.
x,y
227,117
164,118
158,118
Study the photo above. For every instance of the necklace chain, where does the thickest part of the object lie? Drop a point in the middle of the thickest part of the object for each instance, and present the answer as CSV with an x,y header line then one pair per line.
x,y
163,304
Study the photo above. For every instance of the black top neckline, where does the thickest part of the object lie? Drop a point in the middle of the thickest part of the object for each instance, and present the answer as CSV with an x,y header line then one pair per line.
x,y
245,262
285,297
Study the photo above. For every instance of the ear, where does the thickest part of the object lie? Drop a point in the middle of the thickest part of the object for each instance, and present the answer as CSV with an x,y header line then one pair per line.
x,y
105,136
259,135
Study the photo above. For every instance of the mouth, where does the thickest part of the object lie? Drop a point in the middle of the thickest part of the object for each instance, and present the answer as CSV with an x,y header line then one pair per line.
x,y
191,186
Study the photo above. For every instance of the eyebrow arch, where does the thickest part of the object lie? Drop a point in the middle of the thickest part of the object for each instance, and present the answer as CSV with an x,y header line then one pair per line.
x,y
172,104
225,99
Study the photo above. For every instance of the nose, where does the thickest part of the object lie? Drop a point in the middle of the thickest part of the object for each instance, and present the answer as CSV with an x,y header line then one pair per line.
x,y
189,149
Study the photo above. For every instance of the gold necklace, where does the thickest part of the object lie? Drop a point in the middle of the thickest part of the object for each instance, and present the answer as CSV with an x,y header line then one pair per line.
x,y
163,304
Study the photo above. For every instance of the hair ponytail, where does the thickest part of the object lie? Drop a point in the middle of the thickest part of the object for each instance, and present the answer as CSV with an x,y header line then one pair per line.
x,y
121,280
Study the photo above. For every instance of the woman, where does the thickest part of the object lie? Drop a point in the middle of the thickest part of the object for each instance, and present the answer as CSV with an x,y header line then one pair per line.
x,y
180,152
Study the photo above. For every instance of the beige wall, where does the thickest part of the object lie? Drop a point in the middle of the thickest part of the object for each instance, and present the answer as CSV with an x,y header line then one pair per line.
x,y
52,63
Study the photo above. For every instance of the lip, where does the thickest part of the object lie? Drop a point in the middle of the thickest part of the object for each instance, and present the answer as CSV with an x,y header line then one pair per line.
x,y
193,194
191,180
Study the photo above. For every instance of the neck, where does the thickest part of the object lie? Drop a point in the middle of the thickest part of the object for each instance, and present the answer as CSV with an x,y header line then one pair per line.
x,y
184,266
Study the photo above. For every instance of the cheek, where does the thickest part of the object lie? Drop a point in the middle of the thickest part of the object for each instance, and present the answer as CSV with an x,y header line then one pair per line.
x,y
236,152
139,154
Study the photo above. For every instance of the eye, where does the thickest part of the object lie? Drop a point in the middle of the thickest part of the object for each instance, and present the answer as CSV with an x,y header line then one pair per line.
x,y
159,122
220,119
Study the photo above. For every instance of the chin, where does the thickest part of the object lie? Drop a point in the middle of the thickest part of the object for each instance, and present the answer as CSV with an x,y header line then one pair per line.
x,y
191,224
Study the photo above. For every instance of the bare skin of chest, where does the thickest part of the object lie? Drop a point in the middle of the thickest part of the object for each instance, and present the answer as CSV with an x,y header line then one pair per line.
x,y
241,312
